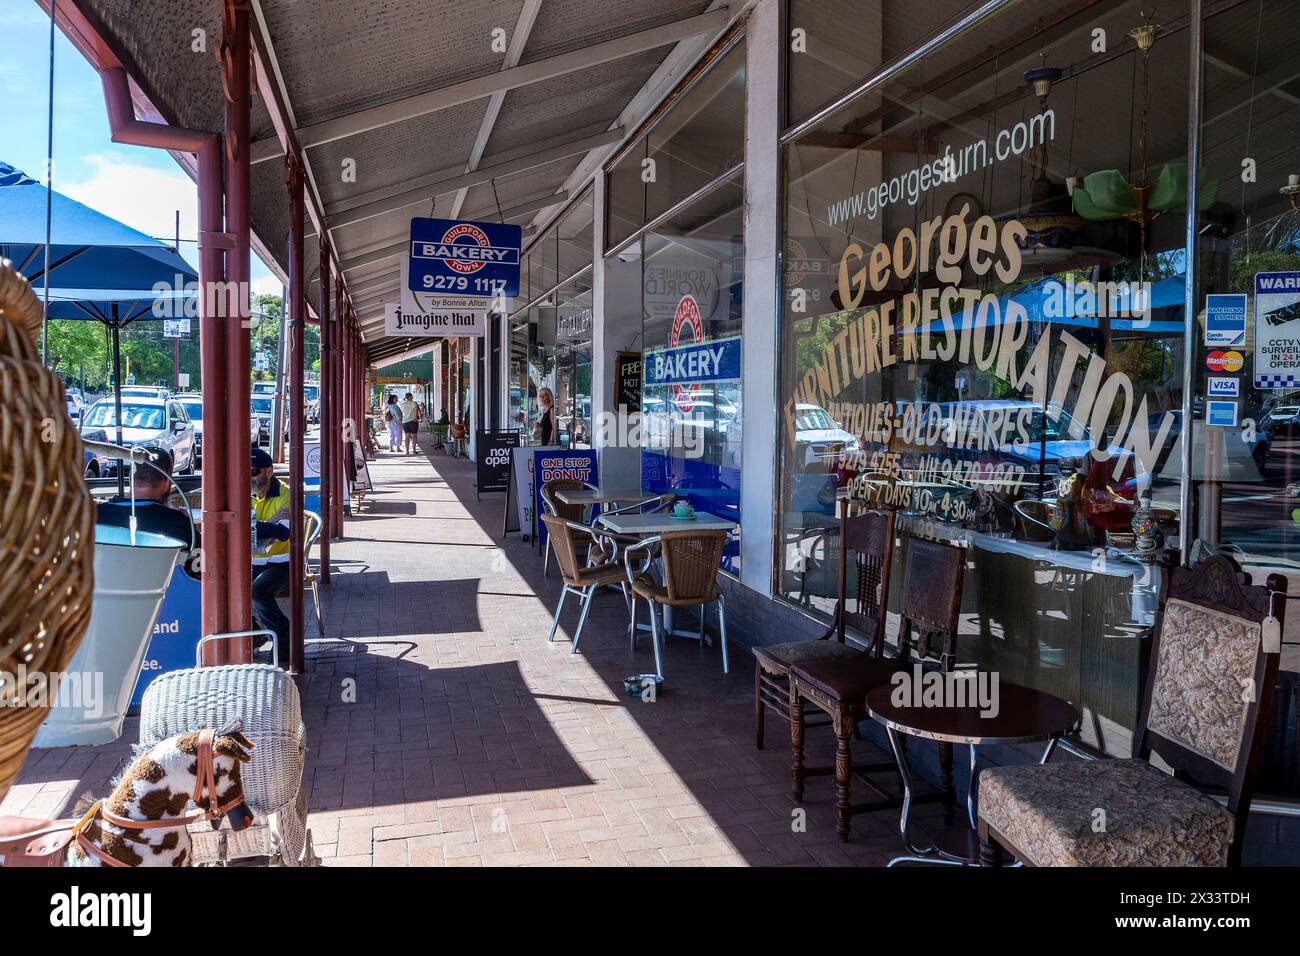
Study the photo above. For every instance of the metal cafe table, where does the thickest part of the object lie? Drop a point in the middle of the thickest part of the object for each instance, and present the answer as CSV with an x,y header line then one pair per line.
x,y
1024,715
661,522
600,496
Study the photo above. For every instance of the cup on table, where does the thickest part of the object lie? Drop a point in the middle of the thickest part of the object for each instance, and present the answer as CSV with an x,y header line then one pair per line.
x,y
683,509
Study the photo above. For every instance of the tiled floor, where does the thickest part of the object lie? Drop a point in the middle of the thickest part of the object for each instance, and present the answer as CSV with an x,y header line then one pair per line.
x,y
446,731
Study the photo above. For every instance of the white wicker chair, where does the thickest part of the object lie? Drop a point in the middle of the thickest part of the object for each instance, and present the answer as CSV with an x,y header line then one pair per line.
x,y
264,699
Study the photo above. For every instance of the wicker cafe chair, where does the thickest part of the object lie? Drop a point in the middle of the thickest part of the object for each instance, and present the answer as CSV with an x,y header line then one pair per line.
x,y
1205,711
580,579
690,561
553,506
47,533
311,527
1033,519
871,539
929,615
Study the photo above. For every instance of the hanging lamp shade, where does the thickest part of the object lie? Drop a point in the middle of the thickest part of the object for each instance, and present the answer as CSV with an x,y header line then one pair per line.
x,y
1106,195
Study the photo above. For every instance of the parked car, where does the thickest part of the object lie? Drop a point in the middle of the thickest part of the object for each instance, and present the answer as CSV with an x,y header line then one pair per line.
x,y
75,405
820,442
1284,419
263,406
192,402
156,421
145,391
311,402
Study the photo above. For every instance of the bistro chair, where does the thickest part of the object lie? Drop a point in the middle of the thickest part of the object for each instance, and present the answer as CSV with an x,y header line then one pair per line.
x,y
553,506
930,612
1212,670
311,527
581,579
871,539
689,560
1034,519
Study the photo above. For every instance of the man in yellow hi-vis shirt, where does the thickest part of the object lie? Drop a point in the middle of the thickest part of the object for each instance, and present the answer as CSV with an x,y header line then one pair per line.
x,y
270,549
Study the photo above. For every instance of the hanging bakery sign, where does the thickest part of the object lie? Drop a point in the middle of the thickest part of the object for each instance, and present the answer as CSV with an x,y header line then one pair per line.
x,y
1277,330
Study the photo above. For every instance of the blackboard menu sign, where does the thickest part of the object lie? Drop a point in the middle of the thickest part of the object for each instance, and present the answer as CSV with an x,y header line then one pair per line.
x,y
627,381
493,447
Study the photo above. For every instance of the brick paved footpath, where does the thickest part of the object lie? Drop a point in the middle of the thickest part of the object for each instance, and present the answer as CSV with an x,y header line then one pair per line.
x,y
446,731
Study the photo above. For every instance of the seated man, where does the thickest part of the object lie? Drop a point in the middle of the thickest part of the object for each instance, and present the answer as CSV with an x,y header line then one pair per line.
x,y
270,549
152,484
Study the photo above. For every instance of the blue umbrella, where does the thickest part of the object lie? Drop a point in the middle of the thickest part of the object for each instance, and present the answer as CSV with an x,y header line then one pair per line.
x,y
98,268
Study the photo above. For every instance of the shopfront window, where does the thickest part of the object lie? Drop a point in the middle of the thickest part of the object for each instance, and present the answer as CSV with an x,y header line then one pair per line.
x,y
692,277
984,271
1249,261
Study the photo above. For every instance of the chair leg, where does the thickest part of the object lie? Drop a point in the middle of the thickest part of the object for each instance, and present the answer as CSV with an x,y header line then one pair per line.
x,y
546,559
722,633
315,602
564,592
991,853
796,742
631,628
760,709
587,596
654,636
843,769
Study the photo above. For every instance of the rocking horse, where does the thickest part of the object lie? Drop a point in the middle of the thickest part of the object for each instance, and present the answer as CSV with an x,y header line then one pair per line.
x,y
143,821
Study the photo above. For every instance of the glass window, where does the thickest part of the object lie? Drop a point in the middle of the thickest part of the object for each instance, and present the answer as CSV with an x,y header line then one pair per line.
x,y
983,328
692,279
575,236
1250,247
702,136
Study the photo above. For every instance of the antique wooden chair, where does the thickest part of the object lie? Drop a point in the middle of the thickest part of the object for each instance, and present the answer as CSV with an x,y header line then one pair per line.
x,y
311,528
929,615
579,578
870,537
689,560
1212,669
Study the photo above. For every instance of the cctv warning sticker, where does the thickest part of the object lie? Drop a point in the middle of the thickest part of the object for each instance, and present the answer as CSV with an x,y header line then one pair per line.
x,y
1277,329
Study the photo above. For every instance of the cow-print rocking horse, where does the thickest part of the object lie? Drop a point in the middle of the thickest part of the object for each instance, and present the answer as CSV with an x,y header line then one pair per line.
x,y
143,821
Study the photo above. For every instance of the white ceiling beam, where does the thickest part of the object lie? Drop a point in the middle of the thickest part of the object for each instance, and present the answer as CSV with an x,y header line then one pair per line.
x,y
422,194
514,53
422,104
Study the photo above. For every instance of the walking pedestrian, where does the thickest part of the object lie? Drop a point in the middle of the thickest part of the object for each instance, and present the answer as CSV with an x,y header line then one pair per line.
x,y
393,418
410,422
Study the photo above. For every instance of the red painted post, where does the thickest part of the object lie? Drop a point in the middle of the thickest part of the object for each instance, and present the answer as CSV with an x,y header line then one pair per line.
x,y
336,388
326,295
235,68
297,420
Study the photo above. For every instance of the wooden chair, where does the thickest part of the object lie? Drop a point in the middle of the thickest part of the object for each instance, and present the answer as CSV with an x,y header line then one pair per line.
x,y
311,528
690,561
1205,710
932,581
871,539
579,578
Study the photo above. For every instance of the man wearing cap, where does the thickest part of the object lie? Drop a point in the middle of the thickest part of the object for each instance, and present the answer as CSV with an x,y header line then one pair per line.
x,y
270,549
151,486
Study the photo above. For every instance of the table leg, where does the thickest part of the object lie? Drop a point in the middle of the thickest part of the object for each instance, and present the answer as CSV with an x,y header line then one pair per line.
x,y
905,774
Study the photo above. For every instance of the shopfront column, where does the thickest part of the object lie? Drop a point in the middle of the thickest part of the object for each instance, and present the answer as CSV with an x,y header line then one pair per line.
x,y
762,302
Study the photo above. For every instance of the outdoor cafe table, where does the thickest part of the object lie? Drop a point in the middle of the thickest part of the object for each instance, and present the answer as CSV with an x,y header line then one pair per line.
x,y
600,496
1024,715
660,522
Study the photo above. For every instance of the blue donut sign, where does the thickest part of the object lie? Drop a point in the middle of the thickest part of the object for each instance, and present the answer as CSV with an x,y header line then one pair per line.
x,y
458,257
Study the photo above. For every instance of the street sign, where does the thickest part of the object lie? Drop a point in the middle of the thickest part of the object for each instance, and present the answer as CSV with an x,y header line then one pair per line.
x,y
176,328
183,380
1225,320
457,257
1277,330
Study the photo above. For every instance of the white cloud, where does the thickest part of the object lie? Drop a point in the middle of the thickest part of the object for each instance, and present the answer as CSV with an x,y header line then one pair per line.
x,y
144,197
265,284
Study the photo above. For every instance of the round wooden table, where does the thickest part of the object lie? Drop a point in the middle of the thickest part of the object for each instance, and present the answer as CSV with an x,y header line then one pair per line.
x,y
1014,715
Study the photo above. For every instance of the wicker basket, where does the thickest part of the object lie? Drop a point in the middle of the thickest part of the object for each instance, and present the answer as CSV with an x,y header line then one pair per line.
x,y
47,523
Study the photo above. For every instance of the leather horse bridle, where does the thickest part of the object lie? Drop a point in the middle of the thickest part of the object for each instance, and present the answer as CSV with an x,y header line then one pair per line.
x,y
46,846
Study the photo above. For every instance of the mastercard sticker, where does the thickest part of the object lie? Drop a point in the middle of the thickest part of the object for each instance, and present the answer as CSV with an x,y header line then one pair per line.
x,y
1218,361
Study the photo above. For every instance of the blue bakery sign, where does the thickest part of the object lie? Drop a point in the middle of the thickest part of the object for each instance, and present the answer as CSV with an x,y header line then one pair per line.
x,y
464,258
699,363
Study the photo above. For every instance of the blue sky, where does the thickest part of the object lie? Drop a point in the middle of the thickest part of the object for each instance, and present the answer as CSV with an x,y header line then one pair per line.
x,y
142,187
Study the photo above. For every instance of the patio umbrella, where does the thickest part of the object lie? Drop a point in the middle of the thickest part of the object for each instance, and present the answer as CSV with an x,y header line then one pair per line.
x,y
98,268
